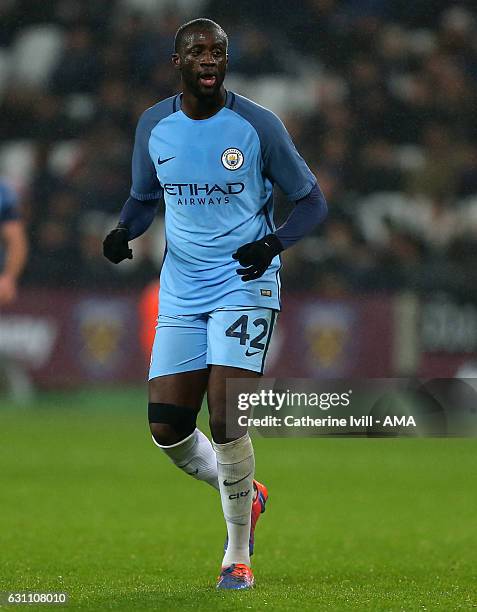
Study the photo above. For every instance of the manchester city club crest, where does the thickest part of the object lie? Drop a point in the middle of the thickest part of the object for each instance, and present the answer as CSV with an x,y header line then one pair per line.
x,y
232,159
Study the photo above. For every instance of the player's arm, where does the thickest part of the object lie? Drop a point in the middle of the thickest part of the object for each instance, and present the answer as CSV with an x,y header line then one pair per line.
x,y
285,167
135,218
307,214
13,237
140,209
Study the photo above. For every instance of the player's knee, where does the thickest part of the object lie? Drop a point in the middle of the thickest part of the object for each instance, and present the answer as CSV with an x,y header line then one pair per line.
x,y
170,424
164,434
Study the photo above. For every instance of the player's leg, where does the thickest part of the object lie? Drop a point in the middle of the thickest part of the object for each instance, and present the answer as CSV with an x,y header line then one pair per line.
x,y
237,346
178,380
235,467
175,401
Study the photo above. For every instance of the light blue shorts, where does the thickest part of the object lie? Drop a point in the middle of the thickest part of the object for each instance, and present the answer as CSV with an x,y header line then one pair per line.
x,y
237,337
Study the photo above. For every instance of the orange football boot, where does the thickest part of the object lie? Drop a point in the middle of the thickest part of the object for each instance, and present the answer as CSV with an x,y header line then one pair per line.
x,y
236,576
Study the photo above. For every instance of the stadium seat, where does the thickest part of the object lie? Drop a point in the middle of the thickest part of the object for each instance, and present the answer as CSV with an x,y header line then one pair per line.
x,y
273,92
467,214
155,7
17,160
375,211
35,53
63,156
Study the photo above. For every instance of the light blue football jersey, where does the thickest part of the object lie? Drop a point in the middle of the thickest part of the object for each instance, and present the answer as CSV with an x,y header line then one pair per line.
x,y
217,177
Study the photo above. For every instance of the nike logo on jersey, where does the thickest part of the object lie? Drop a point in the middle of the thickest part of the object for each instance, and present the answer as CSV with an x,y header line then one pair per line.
x,y
247,354
163,161
229,484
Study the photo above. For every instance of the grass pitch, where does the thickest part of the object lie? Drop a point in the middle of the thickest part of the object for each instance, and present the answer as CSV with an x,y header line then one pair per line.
x,y
89,506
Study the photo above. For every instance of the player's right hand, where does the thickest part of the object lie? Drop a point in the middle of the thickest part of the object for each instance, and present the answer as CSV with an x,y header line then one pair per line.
x,y
115,245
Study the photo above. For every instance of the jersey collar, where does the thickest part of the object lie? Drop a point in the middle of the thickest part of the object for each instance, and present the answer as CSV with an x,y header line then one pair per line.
x,y
229,101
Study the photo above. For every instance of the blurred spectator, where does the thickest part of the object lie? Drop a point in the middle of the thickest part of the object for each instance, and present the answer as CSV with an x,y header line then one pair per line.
x,y
443,156
13,244
80,67
380,96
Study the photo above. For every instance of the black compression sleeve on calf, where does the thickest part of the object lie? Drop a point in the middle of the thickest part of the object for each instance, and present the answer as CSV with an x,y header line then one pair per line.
x,y
181,418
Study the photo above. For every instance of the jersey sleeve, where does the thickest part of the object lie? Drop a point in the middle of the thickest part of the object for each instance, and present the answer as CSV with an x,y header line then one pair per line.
x,y
145,184
283,164
9,208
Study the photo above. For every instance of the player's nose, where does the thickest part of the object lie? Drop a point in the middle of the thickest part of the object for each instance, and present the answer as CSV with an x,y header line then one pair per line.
x,y
208,59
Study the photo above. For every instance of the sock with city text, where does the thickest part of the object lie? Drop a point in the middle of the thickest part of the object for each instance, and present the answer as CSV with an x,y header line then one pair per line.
x,y
236,467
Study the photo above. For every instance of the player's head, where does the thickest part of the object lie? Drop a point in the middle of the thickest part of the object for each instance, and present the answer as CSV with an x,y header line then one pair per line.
x,y
200,53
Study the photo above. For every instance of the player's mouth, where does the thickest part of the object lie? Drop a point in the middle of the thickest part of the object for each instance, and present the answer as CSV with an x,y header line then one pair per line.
x,y
208,80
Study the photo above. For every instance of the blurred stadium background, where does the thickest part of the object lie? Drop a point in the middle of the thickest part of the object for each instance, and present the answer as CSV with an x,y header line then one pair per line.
x,y
380,96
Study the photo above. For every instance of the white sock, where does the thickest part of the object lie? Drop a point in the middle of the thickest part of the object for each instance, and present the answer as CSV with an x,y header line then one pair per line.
x,y
195,456
236,465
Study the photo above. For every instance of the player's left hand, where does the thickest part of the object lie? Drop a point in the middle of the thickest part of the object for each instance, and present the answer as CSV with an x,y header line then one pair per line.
x,y
257,256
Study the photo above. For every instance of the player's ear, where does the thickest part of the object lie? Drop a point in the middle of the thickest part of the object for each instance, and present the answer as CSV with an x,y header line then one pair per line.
x,y
176,61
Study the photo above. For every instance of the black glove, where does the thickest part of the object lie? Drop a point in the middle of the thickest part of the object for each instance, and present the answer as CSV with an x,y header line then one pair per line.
x,y
115,245
257,256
